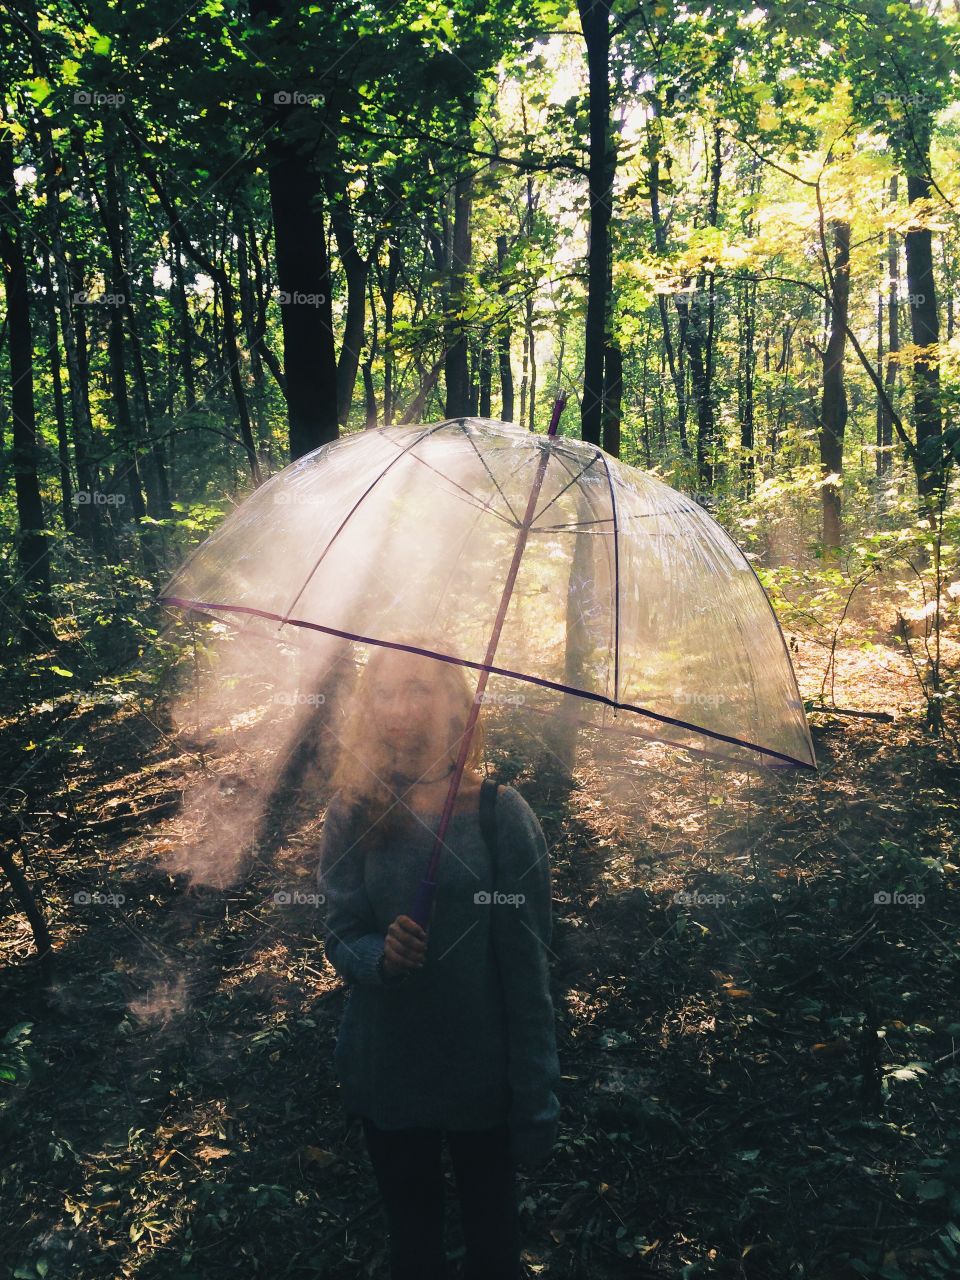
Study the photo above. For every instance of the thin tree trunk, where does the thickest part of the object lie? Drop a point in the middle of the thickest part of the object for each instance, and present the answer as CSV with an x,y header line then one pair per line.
x,y
369,392
230,353
119,287
595,22
251,335
612,378
486,378
456,363
262,346
355,268
699,338
68,510
388,292
303,267
504,340
524,375
748,359
833,411
473,380
885,456
33,547
89,519
925,331
532,348
674,358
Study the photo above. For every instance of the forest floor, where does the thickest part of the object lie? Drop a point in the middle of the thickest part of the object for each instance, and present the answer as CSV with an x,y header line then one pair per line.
x,y
760,1082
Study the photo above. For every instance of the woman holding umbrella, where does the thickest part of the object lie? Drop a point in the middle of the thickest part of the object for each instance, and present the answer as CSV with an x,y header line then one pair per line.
x,y
449,1029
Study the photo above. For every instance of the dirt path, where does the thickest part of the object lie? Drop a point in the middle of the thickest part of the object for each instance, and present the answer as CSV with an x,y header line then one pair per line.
x,y
760,1080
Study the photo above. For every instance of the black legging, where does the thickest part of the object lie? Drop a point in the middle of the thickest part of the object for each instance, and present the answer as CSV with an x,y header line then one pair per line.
x,y
406,1163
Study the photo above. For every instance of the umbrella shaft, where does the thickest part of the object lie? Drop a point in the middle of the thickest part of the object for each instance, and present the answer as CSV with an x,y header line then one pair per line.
x,y
424,900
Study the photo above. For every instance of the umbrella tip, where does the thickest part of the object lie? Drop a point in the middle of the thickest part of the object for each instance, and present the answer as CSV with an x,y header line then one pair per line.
x,y
558,407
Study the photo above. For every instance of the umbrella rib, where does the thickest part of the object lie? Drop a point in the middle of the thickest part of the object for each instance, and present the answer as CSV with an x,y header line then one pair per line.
x,y
470,498
375,481
560,492
666,742
560,456
473,446
456,562
616,584
574,524
556,685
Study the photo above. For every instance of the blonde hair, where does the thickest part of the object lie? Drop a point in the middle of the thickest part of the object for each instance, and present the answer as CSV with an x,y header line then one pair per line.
x,y
362,774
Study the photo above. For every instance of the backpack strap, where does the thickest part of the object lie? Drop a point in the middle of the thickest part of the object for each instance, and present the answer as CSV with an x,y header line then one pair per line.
x,y
488,821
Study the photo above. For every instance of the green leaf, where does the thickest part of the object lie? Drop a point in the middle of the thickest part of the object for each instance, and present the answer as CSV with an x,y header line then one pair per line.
x,y
39,90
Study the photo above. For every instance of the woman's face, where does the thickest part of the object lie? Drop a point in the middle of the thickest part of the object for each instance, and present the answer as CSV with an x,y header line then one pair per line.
x,y
409,710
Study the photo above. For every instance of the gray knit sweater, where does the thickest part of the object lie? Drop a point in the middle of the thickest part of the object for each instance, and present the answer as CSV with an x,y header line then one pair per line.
x,y
468,1041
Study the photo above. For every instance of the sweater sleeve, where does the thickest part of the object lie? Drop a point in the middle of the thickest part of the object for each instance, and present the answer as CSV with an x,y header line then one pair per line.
x,y
353,943
522,928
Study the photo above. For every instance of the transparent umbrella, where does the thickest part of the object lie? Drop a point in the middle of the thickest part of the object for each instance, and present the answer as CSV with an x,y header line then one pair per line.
x,y
591,590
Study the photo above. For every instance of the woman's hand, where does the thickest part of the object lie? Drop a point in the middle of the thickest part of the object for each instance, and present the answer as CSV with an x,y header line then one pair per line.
x,y
404,947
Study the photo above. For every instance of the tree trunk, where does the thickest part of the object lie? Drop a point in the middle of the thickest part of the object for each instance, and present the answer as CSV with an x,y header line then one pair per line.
x,y
388,293
456,362
119,286
748,360
524,375
186,333
68,510
925,331
33,547
89,521
262,346
303,271
595,22
532,349
117,221
695,342
674,358
355,268
699,330
369,391
486,378
251,335
885,442
833,411
504,340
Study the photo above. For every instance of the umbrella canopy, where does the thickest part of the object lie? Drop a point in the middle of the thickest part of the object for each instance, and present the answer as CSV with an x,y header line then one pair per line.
x,y
624,596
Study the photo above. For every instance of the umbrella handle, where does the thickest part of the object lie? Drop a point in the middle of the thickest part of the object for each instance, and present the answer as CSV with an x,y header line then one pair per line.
x,y
558,407
423,902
